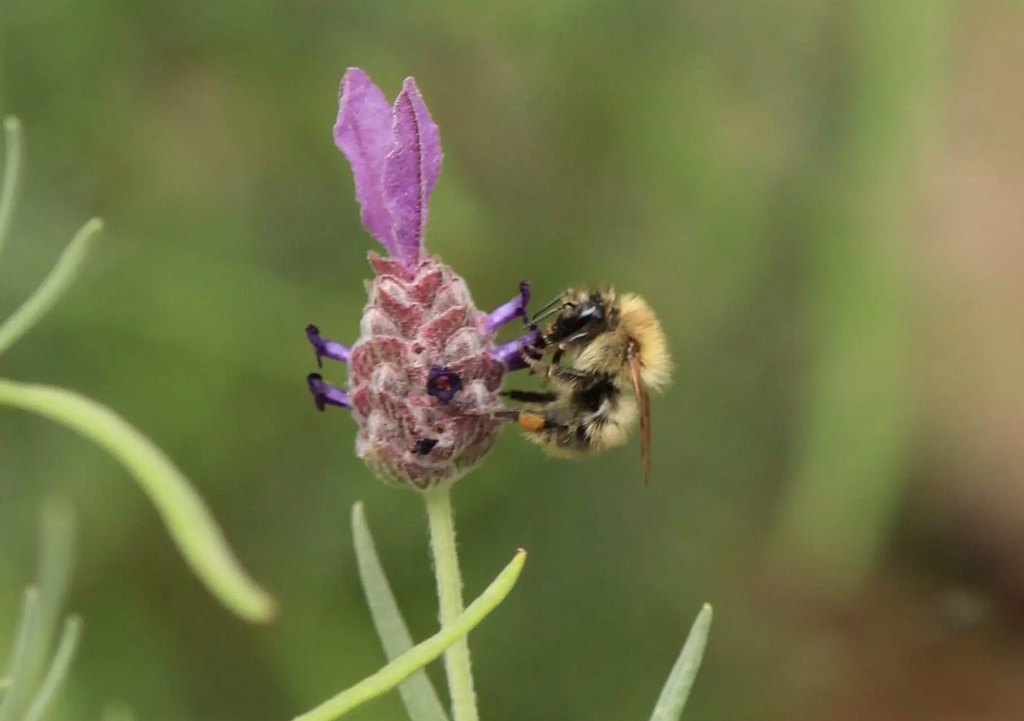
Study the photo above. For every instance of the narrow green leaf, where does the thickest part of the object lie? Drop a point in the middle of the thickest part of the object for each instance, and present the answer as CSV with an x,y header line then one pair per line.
x,y
17,668
51,289
186,516
418,694
56,545
56,539
680,680
422,654
12,175
58,669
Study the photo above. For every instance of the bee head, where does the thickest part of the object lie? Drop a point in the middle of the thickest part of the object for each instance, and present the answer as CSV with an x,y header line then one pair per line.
x,y
581,316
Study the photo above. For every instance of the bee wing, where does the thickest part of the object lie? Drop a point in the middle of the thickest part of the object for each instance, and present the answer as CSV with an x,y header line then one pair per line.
x,y
643,405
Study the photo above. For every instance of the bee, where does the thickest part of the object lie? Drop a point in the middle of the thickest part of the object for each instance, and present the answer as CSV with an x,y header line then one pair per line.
x,y
618,350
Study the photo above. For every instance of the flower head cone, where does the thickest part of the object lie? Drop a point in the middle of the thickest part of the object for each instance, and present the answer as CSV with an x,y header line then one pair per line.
x,y
424,373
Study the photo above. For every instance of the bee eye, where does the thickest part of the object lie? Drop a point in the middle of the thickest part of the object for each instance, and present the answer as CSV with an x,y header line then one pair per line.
x,y
591,313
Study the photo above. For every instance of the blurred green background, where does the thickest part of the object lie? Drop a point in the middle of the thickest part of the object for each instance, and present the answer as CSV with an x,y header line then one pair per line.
x,y
823,201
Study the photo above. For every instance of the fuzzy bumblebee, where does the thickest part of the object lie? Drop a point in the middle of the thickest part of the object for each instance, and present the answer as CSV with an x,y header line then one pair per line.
x,y
618,353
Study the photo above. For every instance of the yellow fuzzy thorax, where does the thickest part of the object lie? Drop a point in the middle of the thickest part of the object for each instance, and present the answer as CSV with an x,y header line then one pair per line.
x,y
638,322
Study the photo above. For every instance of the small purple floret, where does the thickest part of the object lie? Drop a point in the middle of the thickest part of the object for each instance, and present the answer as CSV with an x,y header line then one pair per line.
x,y
443,384
324,394
511,353
515,308
326,348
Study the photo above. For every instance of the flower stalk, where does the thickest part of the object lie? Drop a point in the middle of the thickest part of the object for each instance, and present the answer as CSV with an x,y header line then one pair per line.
x,y
449,593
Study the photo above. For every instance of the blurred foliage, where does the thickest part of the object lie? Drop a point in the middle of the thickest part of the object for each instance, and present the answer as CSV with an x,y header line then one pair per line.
x,y
188,521
32,677
762,172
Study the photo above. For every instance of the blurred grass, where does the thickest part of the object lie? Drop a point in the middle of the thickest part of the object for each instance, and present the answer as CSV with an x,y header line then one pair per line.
x,y
751,168
853,451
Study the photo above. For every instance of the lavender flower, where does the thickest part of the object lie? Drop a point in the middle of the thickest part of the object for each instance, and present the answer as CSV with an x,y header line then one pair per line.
x,y
424,373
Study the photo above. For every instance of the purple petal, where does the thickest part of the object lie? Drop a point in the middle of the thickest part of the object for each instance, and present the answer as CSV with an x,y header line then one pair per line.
x,y
511,353
326,348
364,134
324,394
411,170
515,308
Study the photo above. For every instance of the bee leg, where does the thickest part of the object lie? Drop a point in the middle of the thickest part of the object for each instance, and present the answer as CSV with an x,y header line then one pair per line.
x,y
567,436
530,421
568,377
556,359
530,396
511,352
532,357
324,394
326,348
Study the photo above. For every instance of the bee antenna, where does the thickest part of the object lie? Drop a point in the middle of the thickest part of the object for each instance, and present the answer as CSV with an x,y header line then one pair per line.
x,y
549,309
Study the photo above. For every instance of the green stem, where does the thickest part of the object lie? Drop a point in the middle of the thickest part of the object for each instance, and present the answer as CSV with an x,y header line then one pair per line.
x,y
449,594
